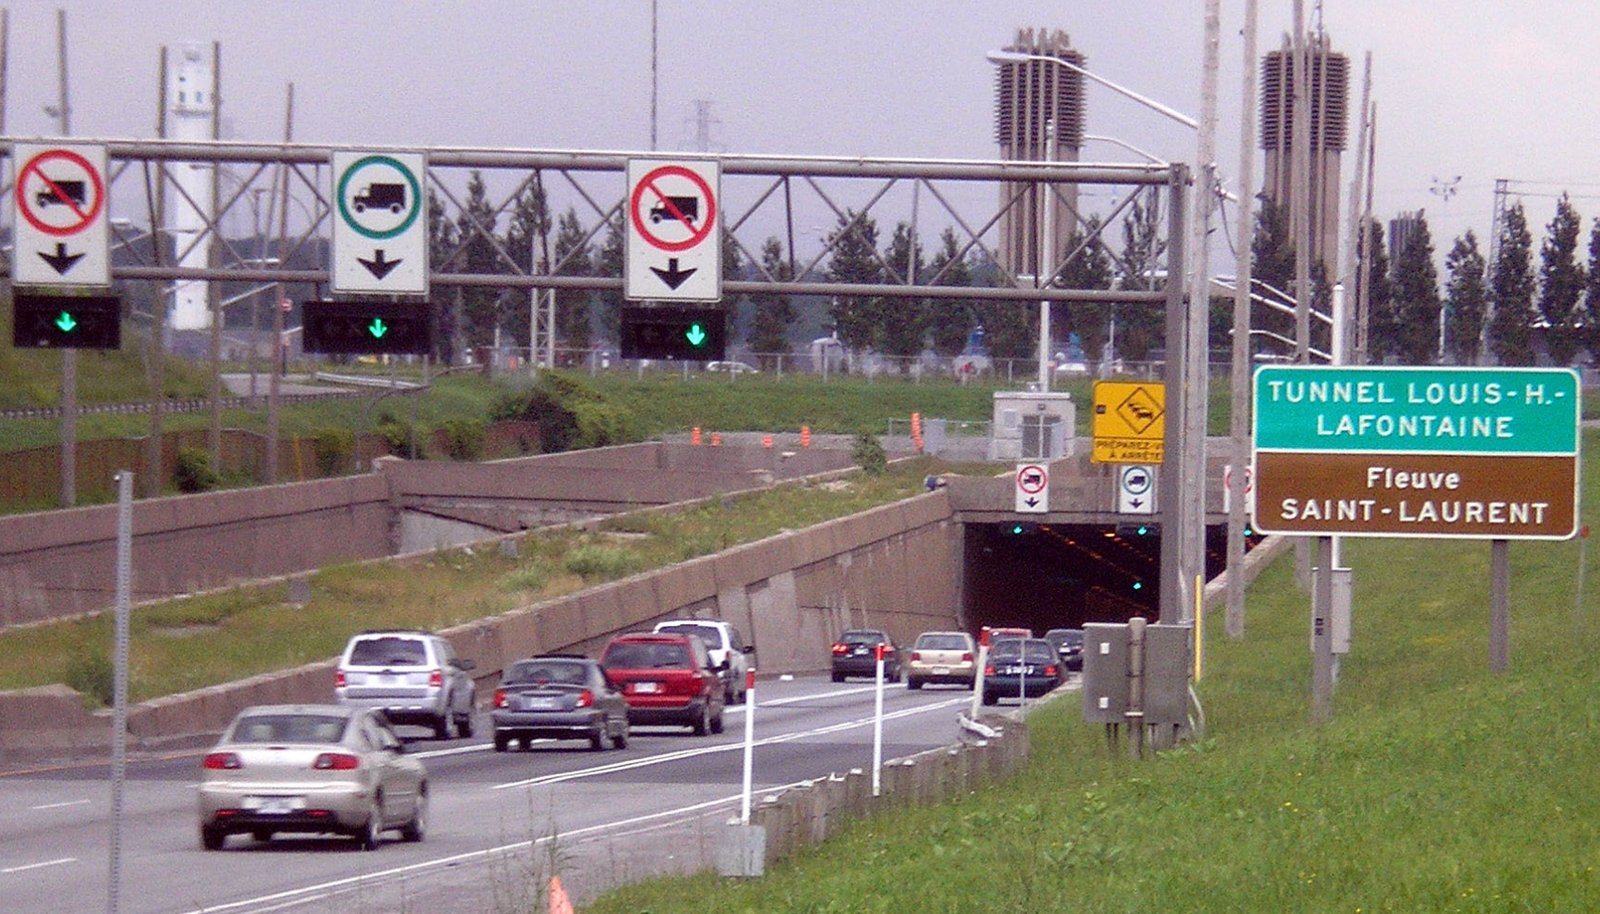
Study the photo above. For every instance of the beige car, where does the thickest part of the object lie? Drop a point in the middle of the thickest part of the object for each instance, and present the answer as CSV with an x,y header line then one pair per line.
x,y
942,657
310,769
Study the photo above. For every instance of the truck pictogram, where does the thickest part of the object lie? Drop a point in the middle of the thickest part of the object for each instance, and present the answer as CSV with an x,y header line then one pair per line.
x,y
688,210
73,190
381,195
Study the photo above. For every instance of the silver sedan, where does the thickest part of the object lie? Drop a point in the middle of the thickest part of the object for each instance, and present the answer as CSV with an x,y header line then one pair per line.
x,y
310,769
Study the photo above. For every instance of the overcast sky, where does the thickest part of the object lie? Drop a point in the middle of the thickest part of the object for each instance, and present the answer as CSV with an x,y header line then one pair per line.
x,y
1483,89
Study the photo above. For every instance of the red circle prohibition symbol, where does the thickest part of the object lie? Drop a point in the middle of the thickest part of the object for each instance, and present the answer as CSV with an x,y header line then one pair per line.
x,y
85,217
1036,472
697,232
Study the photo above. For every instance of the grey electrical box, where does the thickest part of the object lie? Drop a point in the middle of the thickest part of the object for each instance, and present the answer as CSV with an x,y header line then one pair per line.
x,y
1105,673
1168,660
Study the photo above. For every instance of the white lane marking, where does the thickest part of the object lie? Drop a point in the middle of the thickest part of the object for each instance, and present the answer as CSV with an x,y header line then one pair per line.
x,y
795,699
60,805
306,893
630,764
34,866
463,750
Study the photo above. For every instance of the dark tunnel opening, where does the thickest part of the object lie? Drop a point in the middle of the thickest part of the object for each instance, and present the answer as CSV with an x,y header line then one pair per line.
x,y
1044,576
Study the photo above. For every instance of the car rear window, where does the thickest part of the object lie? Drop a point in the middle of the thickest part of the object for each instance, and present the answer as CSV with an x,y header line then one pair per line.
x,y
709,633
389,652
289,728
645,655
862,637
543,671
1011,649
942,643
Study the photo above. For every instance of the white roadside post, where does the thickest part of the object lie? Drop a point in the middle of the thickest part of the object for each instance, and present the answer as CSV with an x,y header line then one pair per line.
x,y
977,674
877,725
749,742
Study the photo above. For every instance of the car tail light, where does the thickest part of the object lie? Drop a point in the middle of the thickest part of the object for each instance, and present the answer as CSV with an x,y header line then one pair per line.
x,y
1050,671
499,698
435,678
586,699
338,679
988,670
916,656
966,656
336,761
841,648
222,761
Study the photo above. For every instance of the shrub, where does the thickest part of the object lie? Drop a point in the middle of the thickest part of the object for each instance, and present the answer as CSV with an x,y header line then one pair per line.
x,y
402,436
193,472
91,673
868,454
333,447
569,413
529,578
463,439
601,562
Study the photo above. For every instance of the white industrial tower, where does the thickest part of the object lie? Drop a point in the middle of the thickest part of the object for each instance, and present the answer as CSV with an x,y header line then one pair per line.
x,y
189,207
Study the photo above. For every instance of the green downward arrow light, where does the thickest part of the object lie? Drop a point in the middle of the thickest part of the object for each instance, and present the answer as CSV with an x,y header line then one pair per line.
x,y
696,335
65,322
377,328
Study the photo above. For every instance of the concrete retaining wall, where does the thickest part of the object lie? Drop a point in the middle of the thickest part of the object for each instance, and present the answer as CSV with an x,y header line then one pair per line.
x,y
896,565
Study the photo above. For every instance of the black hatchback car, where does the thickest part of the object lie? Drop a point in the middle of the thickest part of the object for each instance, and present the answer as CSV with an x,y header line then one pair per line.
x,y
1068,643
855,654
1020,668
558,696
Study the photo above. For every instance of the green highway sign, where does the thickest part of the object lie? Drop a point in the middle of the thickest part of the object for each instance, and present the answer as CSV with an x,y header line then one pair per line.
x,y
1406,410
1470,453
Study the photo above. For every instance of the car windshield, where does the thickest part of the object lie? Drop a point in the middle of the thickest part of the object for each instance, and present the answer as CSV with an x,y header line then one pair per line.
x,y
289,728
711,634
942,643
862,637
1060,636
542,672
389,652
1012,648
646,655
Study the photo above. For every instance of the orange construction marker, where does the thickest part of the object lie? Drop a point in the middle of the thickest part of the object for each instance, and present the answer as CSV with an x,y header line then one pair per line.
x,y
694,436
716,439
805,436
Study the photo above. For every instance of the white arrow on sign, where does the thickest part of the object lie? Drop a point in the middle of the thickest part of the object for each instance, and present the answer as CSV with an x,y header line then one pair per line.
x,y
1136,489
1033,488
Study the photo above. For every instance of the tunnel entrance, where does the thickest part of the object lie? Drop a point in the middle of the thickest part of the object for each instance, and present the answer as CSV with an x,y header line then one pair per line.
x,y
1044,576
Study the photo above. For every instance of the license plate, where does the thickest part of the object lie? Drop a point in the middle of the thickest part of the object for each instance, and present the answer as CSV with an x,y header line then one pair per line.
x,y
540,704
1013,671
647,687
941,671
274,806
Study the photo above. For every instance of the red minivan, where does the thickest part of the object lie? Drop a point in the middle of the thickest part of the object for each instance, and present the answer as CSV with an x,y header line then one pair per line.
x,y
666,679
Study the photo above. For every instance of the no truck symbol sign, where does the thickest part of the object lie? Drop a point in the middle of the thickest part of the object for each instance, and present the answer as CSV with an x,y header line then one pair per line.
x,y
674,249
1033,488
61,225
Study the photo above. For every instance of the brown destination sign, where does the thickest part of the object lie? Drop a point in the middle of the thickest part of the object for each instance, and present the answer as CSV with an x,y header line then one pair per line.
x,y
1438,495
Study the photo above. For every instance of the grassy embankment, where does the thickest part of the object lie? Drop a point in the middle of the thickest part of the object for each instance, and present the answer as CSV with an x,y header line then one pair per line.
x,y
1438,787
189,643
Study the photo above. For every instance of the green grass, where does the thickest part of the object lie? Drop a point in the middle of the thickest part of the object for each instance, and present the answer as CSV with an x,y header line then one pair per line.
x,y
186,644
1438,786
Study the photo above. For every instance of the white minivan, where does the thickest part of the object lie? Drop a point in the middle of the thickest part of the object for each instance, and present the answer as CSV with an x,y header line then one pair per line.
x,y
729,654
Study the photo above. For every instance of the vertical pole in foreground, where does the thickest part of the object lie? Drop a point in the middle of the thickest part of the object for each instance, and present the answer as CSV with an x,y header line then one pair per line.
x,y
749,743
877,726
119,689
279,349
1500,605
1322,629
69,356
1239,423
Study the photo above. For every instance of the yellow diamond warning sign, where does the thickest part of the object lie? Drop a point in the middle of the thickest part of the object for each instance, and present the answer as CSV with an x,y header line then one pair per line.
x,y
1129,422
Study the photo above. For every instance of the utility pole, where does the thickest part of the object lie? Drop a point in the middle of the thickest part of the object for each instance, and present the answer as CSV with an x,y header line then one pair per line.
x,y
155,471
275,370
1239,427
69,356
214,289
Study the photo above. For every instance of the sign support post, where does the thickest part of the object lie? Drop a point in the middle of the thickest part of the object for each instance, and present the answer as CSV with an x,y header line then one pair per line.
x,y
1499,605
1322,629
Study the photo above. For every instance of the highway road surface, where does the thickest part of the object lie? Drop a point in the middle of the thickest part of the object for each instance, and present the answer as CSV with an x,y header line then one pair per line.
x,y
498,821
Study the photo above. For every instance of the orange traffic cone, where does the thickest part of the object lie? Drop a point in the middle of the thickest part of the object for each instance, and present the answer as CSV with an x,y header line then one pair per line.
x,y
805,436
716,439
560,903
694,436
766,442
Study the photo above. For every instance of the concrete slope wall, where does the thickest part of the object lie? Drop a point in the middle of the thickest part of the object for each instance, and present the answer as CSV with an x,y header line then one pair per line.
x,y
62,563
896,567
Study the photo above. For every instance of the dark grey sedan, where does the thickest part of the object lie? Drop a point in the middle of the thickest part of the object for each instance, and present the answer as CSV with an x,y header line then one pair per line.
x,y
558,697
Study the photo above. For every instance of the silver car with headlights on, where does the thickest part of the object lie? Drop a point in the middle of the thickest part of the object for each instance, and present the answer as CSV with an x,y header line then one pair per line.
x,y
318,769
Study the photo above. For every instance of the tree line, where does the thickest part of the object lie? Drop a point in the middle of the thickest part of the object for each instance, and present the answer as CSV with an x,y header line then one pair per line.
x,y
1503,306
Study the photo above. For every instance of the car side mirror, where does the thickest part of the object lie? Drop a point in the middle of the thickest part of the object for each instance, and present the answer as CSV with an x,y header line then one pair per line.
x,y
466,665
725,664
398,748
748,649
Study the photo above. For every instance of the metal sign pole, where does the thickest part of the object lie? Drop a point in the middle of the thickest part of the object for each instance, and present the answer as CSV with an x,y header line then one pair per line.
x,y
119,725
1499,605
749,743
1322,629
877,728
